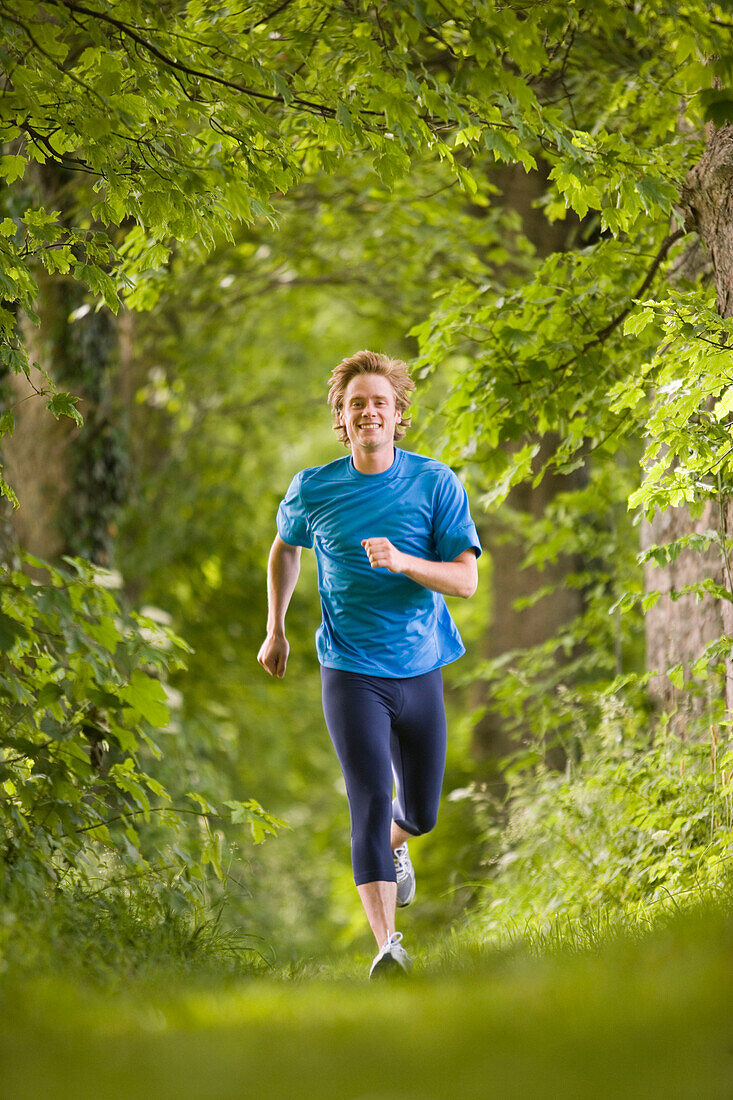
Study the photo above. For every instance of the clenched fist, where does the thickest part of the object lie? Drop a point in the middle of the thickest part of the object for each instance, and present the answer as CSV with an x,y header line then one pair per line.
x,y
383,555
273,654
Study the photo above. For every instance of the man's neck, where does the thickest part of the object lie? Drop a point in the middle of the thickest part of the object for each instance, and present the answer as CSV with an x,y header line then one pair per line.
x,y
373,462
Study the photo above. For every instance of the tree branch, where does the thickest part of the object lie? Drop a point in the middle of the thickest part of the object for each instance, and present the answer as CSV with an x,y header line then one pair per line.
x,y
602,335
170,62
72,76
271,15
665,246
72,164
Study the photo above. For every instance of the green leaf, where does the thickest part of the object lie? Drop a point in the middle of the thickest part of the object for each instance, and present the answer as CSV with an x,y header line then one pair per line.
x,y
724,406
391,165
12,168
260,822
649,600
104,631
147,697
497,143
637,322
344,118
676,674
10,631
205,806
64,404
99,282
103,698
654,195
50,694
717,104
7,491
127,779
15,358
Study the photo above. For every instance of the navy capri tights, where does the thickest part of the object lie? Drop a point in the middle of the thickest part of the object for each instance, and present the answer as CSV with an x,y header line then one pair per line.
x,y
386,729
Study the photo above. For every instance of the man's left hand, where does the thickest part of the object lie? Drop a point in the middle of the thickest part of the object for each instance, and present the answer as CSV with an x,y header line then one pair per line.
x,y
383,555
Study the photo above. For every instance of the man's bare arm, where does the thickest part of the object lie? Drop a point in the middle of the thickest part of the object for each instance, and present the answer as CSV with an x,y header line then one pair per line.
x,y
283,568
452,578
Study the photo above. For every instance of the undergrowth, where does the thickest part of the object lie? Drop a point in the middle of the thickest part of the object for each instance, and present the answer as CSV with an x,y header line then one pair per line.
x,y
637,826
115,938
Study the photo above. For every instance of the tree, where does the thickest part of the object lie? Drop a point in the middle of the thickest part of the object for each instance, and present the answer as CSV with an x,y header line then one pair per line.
x,y
578,346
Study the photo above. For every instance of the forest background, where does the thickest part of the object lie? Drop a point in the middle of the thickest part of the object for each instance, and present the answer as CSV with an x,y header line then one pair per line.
x,y
205,207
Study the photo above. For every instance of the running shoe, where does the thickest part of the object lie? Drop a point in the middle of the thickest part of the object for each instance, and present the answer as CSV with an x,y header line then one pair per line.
x,y
391,958
405,875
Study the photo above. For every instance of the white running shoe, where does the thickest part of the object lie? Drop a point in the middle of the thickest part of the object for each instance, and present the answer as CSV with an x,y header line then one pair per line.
x,y
405,875
391,958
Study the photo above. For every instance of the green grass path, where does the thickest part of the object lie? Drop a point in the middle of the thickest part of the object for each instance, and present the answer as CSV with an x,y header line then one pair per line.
x,y
650,1018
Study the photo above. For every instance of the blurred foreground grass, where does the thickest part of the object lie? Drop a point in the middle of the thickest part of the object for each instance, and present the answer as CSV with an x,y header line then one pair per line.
x,y
646,1017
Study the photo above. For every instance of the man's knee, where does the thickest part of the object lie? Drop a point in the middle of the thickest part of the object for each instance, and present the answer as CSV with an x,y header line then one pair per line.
x,y
419,823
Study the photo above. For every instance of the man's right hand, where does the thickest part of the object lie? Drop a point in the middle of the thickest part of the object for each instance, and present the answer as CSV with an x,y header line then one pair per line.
x,y
273,654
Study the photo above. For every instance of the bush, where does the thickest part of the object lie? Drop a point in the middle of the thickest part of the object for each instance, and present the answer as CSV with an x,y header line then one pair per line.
x,y
634,827
82,697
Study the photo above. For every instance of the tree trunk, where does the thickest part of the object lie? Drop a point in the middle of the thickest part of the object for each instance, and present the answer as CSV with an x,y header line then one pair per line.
x,y
511,629
678,631
70,481
36,456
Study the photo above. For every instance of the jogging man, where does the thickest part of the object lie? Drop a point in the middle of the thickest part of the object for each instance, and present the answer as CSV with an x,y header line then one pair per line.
x,y
393,534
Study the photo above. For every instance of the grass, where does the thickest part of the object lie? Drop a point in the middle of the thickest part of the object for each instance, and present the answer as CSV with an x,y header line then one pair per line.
x,y
644,1016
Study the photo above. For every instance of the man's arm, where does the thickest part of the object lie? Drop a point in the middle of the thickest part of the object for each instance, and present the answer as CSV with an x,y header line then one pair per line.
x,y
452,578
283,567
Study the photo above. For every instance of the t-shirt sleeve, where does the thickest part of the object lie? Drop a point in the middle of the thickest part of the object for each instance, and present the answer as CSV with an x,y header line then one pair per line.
x,y
292,516
453,529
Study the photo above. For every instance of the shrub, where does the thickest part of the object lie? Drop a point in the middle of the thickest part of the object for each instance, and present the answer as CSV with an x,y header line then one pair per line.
x,y
82,696
635,826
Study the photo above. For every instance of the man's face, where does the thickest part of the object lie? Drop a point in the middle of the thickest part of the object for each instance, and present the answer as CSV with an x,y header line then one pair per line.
x,y
369,414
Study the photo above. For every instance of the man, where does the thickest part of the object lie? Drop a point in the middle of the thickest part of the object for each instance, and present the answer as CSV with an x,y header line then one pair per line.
x,y
393,534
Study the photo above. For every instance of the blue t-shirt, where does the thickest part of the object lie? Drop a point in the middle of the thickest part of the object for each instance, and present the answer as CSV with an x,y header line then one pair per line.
x,y
376,622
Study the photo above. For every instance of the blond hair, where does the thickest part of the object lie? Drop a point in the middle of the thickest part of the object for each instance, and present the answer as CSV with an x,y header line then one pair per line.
x,y
370,362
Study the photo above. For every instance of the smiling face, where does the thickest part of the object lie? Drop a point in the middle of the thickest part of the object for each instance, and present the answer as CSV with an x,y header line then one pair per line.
x,y
369,414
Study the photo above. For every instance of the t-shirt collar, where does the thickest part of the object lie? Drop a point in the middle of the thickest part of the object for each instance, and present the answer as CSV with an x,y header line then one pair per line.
x,y
385,475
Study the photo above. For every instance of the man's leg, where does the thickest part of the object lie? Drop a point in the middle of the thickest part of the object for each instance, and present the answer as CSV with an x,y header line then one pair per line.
x,y
358,711
418,742
398,836
379,900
